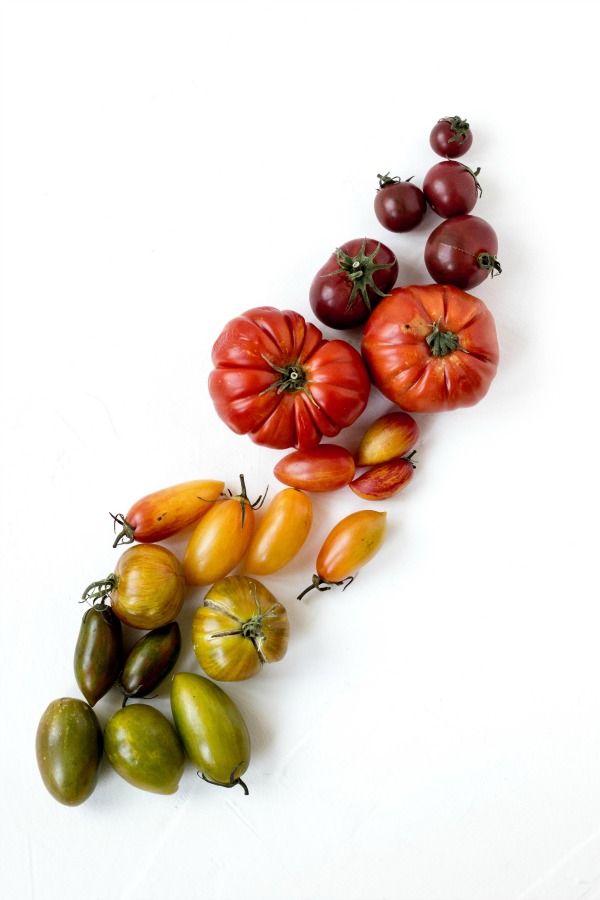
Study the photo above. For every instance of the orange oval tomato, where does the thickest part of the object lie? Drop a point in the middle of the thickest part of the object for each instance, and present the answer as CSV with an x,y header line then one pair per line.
x,y
350,544
146,589
220,539
281,533
241,627
160,515
327,467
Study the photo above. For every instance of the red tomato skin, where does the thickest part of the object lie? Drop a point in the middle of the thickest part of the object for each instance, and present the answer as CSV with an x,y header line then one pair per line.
x,y
401,362
329,293
445,142
328,467
244,385
400,206
450,189
452,250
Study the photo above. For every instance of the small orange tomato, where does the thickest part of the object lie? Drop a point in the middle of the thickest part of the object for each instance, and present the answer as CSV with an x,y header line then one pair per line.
x,y
241,627
350,544
146,589
163,513
281,533
384,480
220,539
327,467
387,438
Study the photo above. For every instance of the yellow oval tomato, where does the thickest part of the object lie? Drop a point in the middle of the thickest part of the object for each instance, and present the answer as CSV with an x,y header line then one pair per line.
x,y
146,589
350,544
241,627
281,533
220,540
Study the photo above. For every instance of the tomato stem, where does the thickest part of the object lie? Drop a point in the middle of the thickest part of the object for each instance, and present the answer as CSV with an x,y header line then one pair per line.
x,y
487,261
442,342
459,126
321,584
474,174
126,535
360,270
98,591
232,782
293,378
385,180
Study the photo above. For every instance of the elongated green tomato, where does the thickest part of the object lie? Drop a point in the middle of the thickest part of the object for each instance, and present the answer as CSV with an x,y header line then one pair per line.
x,y
146,589
144,749
350,545
212,729
98,652
69,749
221,538
281,533
166,512
149,661
240,627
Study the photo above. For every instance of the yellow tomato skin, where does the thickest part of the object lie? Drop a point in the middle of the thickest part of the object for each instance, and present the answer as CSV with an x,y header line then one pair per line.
x,y
351,544
219,542
240,627
150,587
281,532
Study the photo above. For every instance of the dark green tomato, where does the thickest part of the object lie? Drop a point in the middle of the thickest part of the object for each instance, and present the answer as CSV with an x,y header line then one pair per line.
x,y
98,652
143,748
69,749
149,661
212,729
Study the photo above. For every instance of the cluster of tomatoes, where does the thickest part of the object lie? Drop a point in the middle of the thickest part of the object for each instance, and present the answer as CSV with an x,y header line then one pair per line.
x,y
277,379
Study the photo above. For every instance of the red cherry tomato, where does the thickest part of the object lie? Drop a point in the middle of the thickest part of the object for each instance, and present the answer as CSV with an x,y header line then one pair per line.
x,y
399,205
351,283
451,188
462,251
451,137
325,468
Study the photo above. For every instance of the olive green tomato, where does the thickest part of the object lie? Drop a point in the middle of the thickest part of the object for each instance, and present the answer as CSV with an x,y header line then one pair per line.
x,y
149,661
212,729
98,652
143,748
69,749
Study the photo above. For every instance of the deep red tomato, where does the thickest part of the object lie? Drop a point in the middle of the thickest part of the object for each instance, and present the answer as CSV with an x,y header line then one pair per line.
x,y
451,188
351,283
431,348
451,137
399,205
462,251
279,381
325,468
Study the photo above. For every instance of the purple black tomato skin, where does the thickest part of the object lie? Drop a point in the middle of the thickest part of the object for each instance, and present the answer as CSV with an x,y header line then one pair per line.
x,y
451,137
149,661
451,188
462,251
98,653
352,282
399,205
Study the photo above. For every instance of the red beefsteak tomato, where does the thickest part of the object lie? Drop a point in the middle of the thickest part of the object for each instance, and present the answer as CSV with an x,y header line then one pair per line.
x,y
431,347
277,379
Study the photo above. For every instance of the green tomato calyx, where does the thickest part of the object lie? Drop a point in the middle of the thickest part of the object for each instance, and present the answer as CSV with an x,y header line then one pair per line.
x,y
487,261
321,584
97,592
385,180
127,532
359,270
459,126
293,378
442,342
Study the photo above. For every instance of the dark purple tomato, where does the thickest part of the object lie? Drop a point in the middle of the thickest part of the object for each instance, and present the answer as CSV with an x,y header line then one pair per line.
x,y
451,137
462,251
351,283
399,205
451,188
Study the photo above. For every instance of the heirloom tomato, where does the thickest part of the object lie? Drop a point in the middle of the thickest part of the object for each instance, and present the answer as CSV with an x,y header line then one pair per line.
x,y
163,513
240,627
462,251
451,188
68,748
281,533
324,468
98,652
212,729
431,348
149,661
385,479
146,589
399,205
278,380
352,281
144,749
350,545
451,137
220,539
388,437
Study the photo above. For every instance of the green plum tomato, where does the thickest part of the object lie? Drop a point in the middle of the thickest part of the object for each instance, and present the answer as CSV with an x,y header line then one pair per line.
x,y
98,652
143,748
69,749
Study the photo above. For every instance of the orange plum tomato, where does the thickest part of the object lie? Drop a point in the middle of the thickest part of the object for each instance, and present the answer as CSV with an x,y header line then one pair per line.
x,y
324,468
240,627
281,532
350,545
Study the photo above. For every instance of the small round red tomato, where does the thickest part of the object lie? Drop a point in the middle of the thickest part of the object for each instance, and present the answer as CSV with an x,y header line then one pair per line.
x,y
351,283
462,251
451,188
279,381
240,627
399,205
325,468
431,348
451,137
350,545
280,533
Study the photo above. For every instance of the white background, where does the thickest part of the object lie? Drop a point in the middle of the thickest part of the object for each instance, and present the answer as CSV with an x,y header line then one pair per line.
x,y
434,731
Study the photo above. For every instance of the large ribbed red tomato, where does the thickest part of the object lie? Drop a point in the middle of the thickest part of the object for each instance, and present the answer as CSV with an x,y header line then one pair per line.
x,y
431,347
279,381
